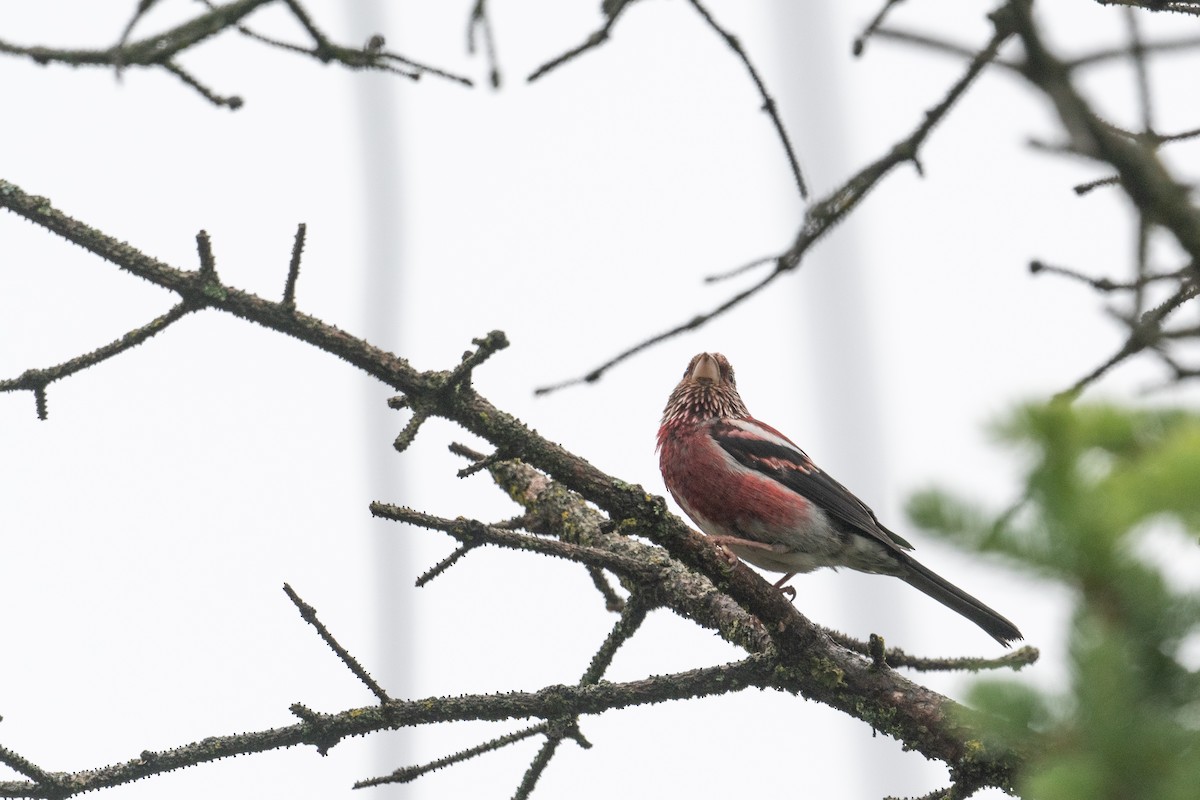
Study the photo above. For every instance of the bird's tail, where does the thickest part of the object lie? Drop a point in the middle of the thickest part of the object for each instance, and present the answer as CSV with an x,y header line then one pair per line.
x,y
921,577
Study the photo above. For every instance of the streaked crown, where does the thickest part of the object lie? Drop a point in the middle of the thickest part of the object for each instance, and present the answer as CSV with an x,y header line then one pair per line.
x,y
708,391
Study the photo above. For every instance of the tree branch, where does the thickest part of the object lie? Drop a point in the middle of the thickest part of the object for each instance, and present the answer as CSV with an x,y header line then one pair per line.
x,y
161,50
36,380
791,653
824,215
768,101
325,730
309,615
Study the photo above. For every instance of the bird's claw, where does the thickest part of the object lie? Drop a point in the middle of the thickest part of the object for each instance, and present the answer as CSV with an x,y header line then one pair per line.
x,y
728,556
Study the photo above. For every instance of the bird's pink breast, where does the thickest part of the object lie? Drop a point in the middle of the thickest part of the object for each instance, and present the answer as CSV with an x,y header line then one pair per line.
x,y
724,497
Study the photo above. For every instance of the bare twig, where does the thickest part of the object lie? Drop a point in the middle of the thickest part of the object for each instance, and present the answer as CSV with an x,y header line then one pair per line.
x,y
1107,284
1142,175
1161,138
612,600
474,533
409,774
1101,56
24,766
755,264
768,101
895,657
208,263
822,216
320,730
1178,6
408,433
937,45
481,22
36,380
613,12
860,42
695,322
289,286
534,773
160,51
310,616
445,564
1162,46
1159,199
632,617
1084,188
597,38
1141,70
485,348
155,51
143,7
1146,332
232,102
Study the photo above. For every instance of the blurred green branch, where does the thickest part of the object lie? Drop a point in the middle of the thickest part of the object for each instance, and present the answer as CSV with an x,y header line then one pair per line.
x,y
1101,481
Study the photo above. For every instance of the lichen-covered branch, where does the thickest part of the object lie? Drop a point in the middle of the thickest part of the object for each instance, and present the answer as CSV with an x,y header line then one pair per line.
x,y
324,731
799,657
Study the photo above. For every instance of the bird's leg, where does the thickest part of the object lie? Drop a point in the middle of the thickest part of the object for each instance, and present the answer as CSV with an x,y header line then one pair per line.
x,y
726,545
787,591
730,557
730,542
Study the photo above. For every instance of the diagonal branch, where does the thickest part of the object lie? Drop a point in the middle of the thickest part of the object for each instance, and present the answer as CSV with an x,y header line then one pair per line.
x,y
472,533
860,42
480,22
824,215
632,617
155,51
895,657
149,52
798,656
1158,197
1145,332
768,101
160,50
310,616
698,321
36,380
232,102
612,12
27,768
320,730
409,774
1093,58
1142,174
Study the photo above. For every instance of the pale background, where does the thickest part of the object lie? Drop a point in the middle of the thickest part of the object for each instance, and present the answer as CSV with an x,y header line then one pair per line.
x,y
148,525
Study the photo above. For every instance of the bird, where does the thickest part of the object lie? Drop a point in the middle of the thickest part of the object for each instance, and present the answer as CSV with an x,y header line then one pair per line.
x,y
753,492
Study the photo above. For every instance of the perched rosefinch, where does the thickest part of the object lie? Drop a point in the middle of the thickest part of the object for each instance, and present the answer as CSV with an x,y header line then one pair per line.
x,y
758,495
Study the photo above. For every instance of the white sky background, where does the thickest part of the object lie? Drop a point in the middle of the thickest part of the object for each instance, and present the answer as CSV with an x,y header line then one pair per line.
x,y
149,524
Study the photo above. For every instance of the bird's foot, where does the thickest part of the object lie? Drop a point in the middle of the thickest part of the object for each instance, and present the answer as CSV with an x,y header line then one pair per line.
x,y
724,549
728,556
787,591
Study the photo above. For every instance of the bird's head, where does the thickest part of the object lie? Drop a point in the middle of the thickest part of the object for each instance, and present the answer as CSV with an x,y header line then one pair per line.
x,y
708,391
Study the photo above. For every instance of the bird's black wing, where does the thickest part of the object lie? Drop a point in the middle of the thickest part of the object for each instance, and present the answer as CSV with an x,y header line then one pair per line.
x,y
760,447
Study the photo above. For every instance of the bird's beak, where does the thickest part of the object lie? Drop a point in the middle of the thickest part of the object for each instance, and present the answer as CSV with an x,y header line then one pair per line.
x,y
706,369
